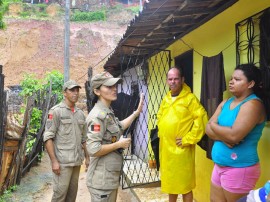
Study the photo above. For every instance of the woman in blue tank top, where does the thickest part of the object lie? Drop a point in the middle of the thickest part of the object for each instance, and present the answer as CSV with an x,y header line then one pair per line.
x,y
236,127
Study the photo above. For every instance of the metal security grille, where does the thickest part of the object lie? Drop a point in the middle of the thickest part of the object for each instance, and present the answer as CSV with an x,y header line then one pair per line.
x,y
248,40
141,74
252,46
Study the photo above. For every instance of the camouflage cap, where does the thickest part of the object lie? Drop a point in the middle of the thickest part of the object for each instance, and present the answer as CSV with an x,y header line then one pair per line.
x,y
70,84
104,78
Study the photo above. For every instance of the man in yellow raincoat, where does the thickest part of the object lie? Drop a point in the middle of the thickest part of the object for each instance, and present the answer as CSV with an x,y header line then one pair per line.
x,y
181,124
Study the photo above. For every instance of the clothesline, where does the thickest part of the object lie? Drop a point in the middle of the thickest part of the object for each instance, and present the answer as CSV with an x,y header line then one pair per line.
x,y
202,54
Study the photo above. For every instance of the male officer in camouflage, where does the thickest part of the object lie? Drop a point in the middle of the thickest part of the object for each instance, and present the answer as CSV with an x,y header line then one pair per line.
x,y
65,141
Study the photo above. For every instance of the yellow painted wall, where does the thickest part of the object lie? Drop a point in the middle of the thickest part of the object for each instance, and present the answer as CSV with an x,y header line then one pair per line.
x,y
209,40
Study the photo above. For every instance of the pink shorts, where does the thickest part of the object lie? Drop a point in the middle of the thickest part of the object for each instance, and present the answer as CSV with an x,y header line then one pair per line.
x,y
236,180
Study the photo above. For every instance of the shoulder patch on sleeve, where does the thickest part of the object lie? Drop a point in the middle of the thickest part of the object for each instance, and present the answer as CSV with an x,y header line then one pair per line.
x,y
52,112
50,116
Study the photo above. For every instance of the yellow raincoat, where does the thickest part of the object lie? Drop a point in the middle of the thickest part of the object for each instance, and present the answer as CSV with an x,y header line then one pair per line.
x,y
184,117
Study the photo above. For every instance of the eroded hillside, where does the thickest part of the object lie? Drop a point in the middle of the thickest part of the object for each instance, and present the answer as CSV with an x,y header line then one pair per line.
x,y
37,46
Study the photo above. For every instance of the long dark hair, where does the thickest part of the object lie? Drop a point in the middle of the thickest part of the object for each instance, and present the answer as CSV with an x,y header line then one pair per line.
x,y
253,73
94,98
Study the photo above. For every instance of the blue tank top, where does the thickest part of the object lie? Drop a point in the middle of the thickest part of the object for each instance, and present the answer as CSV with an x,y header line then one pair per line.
x,y
243,154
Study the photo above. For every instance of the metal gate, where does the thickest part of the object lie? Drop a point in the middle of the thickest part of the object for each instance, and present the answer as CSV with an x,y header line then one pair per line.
x,y
141,74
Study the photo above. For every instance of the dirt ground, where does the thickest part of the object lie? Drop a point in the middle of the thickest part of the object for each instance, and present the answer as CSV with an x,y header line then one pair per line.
x,y
36,186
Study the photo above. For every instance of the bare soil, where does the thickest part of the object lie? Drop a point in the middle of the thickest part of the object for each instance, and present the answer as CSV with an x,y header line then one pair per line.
x,y
36,186
37,46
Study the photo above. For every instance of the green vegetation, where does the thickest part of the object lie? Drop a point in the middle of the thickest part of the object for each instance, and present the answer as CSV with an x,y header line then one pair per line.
x,y
57,79
119,7
42,7
6,196
3,9
35,124
38,11
25,14
134,9
4,4
1,15
88,16
30,86
34,11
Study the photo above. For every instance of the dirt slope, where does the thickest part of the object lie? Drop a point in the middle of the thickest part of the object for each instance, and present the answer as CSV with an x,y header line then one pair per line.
x,y
35,46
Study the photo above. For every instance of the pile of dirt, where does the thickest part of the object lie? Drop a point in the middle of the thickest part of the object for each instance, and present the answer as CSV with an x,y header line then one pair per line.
x,y
37,46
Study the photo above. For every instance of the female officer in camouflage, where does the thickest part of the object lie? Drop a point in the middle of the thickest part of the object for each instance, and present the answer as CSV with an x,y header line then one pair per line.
x,y
105,140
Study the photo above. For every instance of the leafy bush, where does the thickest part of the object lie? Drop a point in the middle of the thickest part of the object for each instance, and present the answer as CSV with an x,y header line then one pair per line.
x,y
2,24
25,14
42,7
34,10
134,9
42,15
57,80
6,196
35,122
34,126
5,4
88,16
30,85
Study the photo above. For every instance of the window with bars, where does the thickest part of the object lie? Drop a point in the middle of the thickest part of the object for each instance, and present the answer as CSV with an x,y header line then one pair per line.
x,y
253,46
247,40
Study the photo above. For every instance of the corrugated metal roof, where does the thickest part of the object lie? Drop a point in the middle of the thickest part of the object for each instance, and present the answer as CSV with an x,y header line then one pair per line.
x,y
161,23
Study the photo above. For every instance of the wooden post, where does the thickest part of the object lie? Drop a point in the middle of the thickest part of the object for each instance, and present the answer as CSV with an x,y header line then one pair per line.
x,y
2,114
